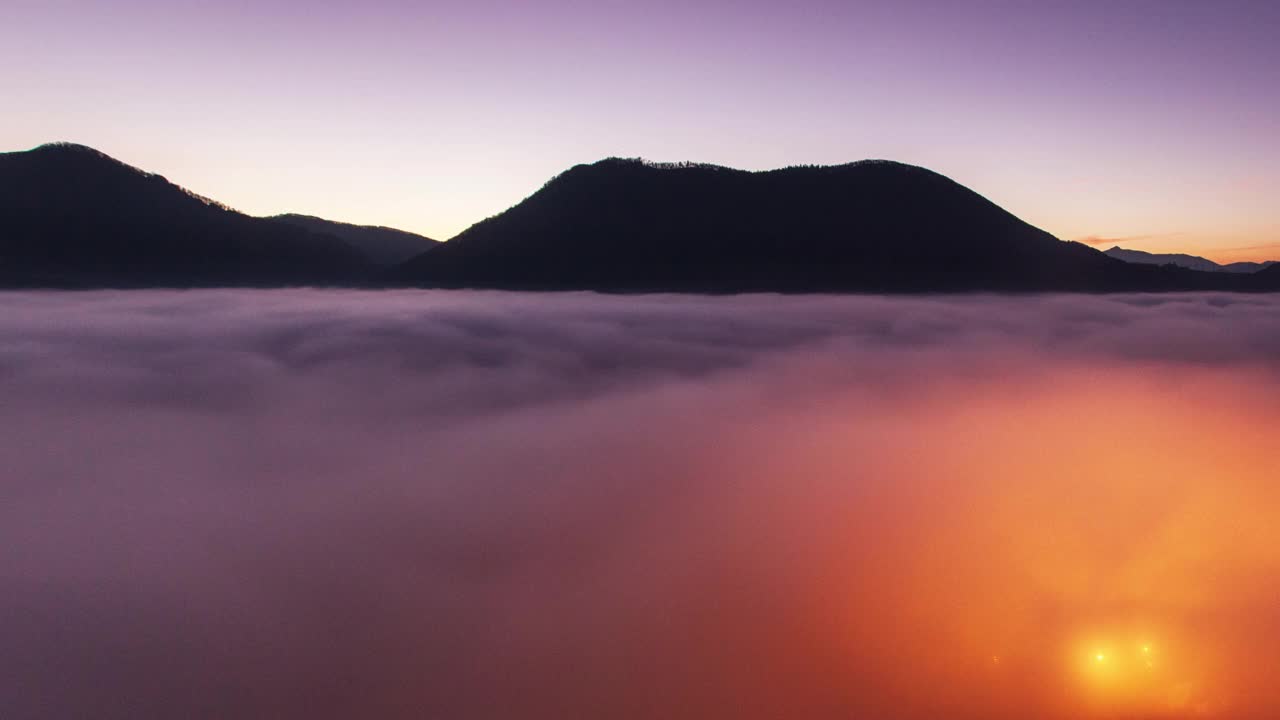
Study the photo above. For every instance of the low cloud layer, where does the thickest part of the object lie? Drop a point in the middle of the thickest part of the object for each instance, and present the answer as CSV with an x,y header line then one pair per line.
x,y
319,504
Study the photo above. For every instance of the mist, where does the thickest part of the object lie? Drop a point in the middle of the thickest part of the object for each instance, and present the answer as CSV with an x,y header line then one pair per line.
x,y
331,504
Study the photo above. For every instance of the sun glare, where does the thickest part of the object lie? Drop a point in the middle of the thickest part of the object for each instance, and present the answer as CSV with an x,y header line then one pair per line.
x,y
1125,674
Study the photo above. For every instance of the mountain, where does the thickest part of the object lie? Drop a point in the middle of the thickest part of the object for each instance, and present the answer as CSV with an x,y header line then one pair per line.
x,y
72,216
380,245
1247,267
871,226
1267,278
1191,262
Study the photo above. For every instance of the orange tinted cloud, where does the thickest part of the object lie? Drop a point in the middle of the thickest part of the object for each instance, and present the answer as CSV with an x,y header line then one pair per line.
x,y
1125,241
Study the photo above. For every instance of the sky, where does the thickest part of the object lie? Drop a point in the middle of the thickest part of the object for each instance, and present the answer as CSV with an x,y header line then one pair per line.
x,y
1153,125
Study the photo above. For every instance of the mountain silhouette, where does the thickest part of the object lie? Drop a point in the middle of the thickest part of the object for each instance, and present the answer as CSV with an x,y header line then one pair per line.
x,y
72,216
380,245
871,226
1191,262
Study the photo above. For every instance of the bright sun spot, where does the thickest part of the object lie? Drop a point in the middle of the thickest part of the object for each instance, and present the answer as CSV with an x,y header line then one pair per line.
x,y
1125,673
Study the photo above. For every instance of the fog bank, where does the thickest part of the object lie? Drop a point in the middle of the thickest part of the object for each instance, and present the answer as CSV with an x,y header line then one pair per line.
x,y
330,504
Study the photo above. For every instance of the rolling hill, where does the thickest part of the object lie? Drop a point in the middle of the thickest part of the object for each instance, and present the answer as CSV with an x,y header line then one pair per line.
x,y
71,216
871,226
380,245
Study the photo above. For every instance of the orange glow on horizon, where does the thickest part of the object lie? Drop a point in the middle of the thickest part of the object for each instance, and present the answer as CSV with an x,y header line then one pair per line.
x,y
1262,248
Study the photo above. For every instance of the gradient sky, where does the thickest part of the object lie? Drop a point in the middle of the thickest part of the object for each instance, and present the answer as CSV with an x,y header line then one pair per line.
x,y
1155,125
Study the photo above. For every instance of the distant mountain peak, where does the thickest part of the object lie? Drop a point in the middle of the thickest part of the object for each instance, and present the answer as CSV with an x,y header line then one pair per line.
x,y
1183,260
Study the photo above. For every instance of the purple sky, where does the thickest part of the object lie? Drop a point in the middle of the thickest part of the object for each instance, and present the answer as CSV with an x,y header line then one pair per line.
x,y
1153,123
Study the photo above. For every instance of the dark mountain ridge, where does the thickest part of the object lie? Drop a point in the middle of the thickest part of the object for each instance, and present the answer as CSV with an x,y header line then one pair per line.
x,y
381,245
870,226
1269,277
72,216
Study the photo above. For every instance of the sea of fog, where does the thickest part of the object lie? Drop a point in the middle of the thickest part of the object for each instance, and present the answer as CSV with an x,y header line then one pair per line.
x,y
311,504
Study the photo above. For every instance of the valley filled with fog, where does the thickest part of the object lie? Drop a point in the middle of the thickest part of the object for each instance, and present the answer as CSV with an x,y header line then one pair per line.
x,y
403,504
